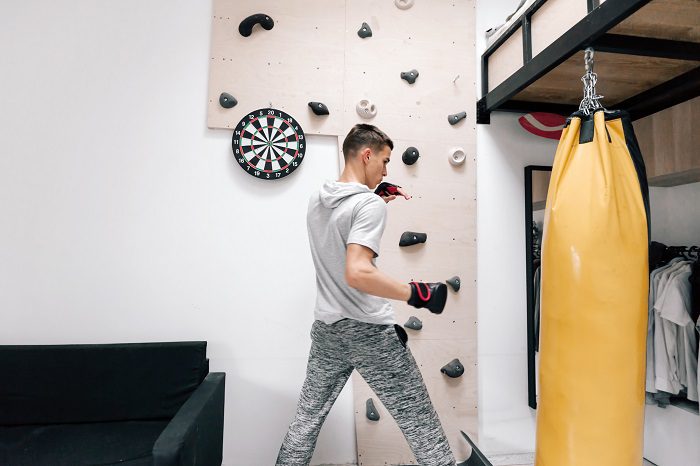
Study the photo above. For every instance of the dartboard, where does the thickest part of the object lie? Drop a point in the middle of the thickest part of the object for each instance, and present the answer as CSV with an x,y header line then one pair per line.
x,y
268,144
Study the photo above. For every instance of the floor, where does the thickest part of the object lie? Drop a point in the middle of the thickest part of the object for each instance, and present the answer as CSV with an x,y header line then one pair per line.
x,y
526,459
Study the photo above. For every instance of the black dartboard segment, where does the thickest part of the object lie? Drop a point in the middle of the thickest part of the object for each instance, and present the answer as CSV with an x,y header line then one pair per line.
x,y
268,144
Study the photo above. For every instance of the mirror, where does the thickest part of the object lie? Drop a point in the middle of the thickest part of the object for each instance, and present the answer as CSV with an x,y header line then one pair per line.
x,y
536,186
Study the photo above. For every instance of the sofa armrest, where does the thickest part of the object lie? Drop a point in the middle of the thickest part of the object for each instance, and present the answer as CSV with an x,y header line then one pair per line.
x,y
195,435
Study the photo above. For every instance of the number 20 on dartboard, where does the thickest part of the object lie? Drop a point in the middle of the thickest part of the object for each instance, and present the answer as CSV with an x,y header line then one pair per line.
x,y
268,144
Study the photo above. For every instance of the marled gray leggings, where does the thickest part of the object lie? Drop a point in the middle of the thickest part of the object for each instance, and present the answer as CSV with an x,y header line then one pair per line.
x,y
380,356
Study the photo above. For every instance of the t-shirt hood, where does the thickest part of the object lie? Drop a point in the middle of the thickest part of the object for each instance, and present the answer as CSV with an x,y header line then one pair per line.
x,y
332,193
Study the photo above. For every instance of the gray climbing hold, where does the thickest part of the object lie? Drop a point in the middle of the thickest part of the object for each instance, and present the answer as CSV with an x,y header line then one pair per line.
x,y
403,4
453,369
413,323
454,282
456,118
318,108
409,238
246,26
365,31
226,100
372,413
410,156
410,76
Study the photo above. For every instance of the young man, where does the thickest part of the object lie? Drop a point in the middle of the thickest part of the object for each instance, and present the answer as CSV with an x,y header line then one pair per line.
x,y
355,326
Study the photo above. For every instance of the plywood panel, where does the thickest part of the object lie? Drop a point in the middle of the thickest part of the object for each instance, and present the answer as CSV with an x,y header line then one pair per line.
x,y
314,53
506,60
664,19
444,203
553,19
403,40
619,77
298,61
455,401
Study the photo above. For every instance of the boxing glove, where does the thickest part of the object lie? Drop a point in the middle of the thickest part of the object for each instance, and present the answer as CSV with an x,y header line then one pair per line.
x,y
430,295
385,189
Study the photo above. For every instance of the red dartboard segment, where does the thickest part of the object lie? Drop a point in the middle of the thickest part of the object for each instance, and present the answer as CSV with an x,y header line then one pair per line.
x,y
268,144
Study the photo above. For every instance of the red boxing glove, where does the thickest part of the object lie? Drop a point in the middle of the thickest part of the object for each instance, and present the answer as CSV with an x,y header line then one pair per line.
x,y
387,189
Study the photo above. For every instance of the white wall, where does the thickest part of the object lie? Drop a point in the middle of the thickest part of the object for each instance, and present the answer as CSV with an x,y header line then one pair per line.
x,y
123,218
675,215
507,424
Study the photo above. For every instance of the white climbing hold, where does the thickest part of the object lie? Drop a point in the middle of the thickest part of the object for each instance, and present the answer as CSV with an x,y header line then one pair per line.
x,y
403,4
366,109
457,156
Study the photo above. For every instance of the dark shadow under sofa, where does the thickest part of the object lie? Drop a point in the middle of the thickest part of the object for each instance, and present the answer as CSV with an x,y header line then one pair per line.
x,y
132,404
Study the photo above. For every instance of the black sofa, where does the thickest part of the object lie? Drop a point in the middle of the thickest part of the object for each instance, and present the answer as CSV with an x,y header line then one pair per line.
x,y
132,404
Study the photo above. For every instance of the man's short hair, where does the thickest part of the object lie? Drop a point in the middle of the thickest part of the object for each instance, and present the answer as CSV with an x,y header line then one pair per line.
x,y
363,135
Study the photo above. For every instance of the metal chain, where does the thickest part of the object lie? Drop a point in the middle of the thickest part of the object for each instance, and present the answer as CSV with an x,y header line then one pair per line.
x,y
590,100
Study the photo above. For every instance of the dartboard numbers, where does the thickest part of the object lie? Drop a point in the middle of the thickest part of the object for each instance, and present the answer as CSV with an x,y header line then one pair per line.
x,y
268,144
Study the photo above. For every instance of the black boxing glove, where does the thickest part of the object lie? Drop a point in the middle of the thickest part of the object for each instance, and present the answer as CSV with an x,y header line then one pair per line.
x,y
387,189
430,295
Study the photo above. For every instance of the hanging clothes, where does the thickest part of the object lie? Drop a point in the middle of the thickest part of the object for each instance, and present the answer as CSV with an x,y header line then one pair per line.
x,y
672,341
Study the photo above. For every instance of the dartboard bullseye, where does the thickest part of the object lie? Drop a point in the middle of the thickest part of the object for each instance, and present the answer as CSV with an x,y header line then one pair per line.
x,y
268,144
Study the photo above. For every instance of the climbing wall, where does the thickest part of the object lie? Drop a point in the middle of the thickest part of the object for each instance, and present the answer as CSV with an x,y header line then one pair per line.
x,y
314,53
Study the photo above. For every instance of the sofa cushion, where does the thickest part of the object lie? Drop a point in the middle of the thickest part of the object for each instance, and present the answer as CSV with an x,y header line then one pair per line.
x,y
57,384
125,443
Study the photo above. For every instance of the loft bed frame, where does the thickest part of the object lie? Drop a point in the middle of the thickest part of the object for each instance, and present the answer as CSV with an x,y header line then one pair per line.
x,y
647,57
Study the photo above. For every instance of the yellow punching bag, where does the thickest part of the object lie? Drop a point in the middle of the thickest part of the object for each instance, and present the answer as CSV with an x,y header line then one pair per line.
x,y
595,282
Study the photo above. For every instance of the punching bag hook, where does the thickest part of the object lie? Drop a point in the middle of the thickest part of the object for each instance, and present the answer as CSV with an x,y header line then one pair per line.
x,y
590,100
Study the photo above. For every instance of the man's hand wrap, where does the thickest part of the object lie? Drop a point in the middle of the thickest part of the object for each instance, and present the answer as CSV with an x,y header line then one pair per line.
x,y
430,295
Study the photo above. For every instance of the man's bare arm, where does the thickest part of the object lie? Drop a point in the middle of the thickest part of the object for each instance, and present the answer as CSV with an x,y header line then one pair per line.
x,y
361,274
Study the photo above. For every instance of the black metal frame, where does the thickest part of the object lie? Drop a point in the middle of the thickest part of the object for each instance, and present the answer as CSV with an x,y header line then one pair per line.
x,y
529,273
589,31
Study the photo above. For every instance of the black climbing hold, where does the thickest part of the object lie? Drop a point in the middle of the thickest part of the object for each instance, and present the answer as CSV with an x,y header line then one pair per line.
x,y
456,118
453,369
365,31
372,413
409,238
246,26
413,323
318,108
227,100
410,76
410,156
454,282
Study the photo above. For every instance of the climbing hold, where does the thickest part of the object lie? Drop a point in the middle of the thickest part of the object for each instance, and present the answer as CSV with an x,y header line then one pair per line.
x,y
413,323
410,76
457,156
226,100
453,369
409,238
318,108
454,283
365,31
366,109
246,26
372,413
456,118
410,156
403,4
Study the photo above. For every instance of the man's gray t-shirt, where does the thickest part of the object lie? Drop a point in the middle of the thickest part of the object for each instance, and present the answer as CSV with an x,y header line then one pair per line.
x,y
340,214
